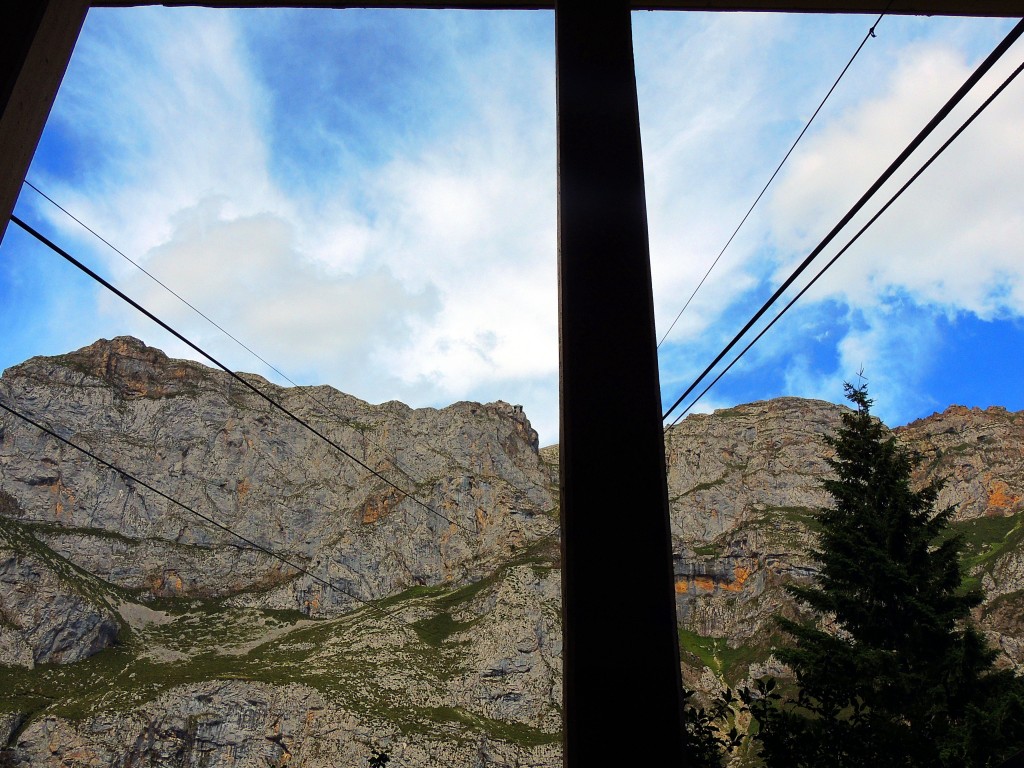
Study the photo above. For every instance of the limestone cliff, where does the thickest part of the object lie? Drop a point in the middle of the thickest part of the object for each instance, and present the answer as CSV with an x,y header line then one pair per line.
x,y
207,441
439,640
45,615
134,633
744,484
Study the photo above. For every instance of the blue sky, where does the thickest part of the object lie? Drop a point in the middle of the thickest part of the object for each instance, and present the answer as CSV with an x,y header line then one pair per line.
x,y
367,199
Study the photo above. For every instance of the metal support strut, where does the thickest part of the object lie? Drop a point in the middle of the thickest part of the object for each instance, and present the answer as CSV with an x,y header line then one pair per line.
x,y
36,40
621,658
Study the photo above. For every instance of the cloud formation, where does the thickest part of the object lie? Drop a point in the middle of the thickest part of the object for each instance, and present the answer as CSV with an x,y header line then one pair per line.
x,y
421,269
368,198
946,248
950,240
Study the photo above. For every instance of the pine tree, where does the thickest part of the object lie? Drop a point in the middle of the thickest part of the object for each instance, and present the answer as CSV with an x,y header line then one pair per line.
x,y
890,672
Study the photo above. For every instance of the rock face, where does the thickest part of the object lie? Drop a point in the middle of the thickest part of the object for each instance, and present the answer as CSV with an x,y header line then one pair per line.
x,y
466,483
418,611
238,724
447,515
744,484
46,623
45,618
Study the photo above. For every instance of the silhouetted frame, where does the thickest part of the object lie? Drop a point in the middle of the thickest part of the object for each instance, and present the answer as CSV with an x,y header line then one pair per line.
x,y
622,688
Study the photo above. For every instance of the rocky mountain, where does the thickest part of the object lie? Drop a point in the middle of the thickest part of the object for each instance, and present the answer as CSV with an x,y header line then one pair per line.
x,y
415,605
744,484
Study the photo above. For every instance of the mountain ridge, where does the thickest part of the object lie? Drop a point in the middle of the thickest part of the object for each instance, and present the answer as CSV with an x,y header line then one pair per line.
x,y
449,643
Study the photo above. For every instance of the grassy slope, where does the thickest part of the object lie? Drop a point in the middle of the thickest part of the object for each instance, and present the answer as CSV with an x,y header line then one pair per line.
x,y
201,641
986,540
208,640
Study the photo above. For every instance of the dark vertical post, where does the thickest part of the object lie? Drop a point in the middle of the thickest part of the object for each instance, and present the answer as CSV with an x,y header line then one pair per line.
x,y
36,40
622,678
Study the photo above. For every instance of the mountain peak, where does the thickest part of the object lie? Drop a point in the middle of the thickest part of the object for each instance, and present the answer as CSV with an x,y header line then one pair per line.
x,y
125,363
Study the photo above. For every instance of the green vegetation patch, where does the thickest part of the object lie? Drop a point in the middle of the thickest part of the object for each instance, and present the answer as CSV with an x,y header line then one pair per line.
x,y
729,413
702,487
465,594
75,364
545,552
439,627
784,526
986,539
66,690
703,648
193,647
729,663
708,550
416,592
210,626
131,673
502,730
56,529
368,661
806,516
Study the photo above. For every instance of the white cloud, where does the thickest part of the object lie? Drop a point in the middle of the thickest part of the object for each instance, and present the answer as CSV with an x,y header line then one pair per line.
x,y
249,277
169,115
425,270
696,101
481,228
428,278
951,244
953,239
717,119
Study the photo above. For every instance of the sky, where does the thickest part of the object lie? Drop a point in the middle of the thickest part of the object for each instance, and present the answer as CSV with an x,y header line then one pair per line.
x,y
367,199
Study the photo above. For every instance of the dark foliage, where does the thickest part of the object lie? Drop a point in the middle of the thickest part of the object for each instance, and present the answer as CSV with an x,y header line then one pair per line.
x,y
902,678
705,746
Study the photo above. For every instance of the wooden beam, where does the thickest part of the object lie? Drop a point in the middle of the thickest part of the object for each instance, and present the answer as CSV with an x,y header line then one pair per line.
x,y
1006,8
36,40
620,658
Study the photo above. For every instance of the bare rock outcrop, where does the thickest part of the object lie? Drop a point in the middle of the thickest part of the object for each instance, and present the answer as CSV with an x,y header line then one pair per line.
x,y
45,618
243,724
44,623
412,496
439,638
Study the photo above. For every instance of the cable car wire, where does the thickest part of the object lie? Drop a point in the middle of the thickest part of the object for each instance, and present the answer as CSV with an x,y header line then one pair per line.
x,y
895,165
870,34
854,239
248,385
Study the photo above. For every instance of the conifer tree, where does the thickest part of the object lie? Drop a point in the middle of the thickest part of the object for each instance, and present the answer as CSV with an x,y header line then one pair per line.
x,y
890,672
